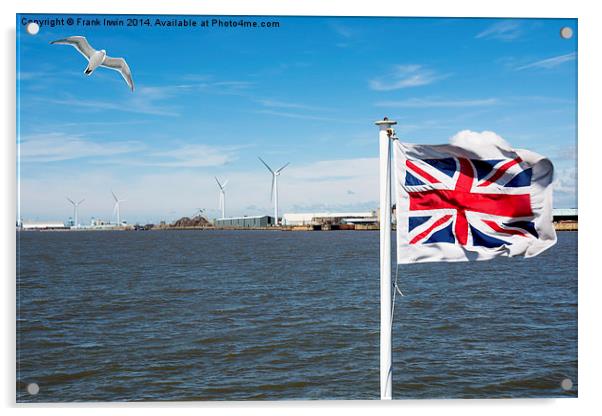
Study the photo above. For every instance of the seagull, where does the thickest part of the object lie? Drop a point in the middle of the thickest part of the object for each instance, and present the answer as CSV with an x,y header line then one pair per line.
x,y
97,58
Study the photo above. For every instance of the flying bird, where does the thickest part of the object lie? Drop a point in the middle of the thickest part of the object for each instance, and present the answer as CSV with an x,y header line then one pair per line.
x,y
97,58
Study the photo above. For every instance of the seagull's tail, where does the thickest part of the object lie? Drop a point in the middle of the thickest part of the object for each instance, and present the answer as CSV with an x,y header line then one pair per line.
x,y
88,71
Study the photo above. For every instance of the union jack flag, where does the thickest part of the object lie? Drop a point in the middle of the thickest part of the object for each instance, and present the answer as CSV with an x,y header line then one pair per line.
x,y
457,204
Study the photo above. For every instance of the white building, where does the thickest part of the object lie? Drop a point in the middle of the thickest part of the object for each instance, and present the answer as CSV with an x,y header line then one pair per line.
x,y
564,212
99,224
308,218
43,225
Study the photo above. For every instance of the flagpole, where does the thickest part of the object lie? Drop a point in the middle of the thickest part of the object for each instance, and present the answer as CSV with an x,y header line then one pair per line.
x,y
386,373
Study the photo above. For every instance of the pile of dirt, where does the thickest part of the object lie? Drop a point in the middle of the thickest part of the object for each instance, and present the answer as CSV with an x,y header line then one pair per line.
x,y
198,221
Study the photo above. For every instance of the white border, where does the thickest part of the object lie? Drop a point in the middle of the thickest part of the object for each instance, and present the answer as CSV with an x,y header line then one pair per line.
x,y
590,148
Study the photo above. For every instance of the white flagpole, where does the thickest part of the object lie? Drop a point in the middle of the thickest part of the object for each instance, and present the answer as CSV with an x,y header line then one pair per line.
x,y
386,373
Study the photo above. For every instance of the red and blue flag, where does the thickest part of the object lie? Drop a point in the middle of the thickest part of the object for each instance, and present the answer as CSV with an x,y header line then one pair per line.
x,y
459,203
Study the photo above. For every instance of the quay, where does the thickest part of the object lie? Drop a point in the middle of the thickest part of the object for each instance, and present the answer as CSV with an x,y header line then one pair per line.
x,y
564,220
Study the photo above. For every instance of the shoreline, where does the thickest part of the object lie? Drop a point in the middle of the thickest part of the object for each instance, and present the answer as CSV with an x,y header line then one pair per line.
x,y
561,226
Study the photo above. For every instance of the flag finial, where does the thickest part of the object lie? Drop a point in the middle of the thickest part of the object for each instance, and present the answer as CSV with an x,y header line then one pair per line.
x,y
385,122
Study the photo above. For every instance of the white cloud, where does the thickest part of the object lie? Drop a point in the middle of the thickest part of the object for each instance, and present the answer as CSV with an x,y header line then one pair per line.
x,y
566,153
54,147
437,103
326,170
505,30
192,156
341,30
472,139
302,116
29,75
346,184
169,195
154,100
295,110
228,87
550,62
233,84
405,76
143,102
565,180
565,187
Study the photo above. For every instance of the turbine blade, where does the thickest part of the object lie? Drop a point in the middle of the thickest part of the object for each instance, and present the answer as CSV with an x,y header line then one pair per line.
x,y
81,201
272,191
224,184
70,200
218,183
266,165
282,168
114,196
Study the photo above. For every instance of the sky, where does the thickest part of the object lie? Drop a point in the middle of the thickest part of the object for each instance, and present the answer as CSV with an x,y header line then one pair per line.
x,y
209,101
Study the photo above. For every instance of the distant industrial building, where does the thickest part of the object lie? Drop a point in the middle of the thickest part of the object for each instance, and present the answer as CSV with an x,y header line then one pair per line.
x,y
43,225
565,219
564,214
245,222
318,218
97,224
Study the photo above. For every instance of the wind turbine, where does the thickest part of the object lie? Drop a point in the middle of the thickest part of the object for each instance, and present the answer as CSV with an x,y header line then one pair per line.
x,y
116,207
274,191
222,196
75,207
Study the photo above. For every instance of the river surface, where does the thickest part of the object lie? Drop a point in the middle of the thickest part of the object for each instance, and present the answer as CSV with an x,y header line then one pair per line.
x,y
268,315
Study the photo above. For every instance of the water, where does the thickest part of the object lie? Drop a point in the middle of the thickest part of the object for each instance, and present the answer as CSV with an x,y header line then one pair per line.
x,y
232,315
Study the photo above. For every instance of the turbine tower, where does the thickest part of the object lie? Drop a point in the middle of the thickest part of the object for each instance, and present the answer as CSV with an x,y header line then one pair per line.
x,y
222,196
274,191
75,207
116,207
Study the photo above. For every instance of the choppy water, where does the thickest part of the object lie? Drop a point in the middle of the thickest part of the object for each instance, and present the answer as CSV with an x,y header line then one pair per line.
x,y
227,315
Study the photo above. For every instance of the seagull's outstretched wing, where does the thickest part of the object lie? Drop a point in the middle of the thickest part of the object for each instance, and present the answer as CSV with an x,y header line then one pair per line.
x,y
78,42
119,64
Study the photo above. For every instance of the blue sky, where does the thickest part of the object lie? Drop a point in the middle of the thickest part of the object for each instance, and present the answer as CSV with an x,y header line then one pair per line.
x,y
208,101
